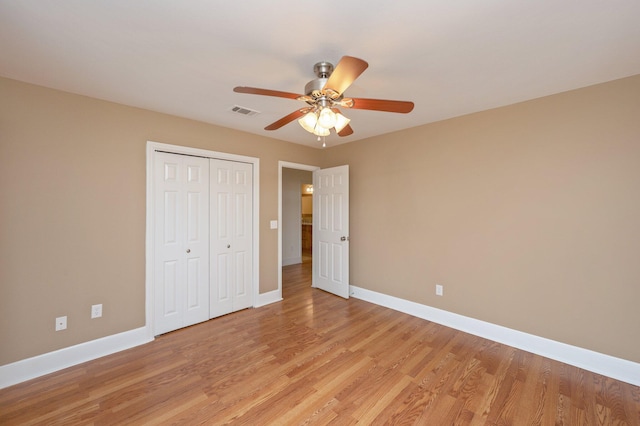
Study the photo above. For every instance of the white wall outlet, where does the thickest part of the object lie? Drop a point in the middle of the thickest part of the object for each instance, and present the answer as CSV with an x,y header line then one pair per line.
x,y
439,290
61,323
273,224
96,311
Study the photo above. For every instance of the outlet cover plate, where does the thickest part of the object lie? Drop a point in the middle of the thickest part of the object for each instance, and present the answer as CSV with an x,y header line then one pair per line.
x,y
61,323
96,311
439,290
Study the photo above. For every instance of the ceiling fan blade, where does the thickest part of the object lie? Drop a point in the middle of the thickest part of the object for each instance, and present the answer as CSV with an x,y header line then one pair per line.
x,y
265,92
382,105
346,131
288,119
347,70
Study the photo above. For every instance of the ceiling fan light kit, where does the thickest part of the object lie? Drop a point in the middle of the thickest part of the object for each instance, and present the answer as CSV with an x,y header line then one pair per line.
x,y
325,94
321,121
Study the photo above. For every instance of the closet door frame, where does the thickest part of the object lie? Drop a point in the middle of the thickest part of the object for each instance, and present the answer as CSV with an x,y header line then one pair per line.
x,y
150,219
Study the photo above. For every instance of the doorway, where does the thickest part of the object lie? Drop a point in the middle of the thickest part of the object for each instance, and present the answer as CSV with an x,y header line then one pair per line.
x,y
294,218
330,253
297,215
306,190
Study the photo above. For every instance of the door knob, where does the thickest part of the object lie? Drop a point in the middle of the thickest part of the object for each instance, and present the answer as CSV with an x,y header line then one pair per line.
x,y
228,245
188,250
344,238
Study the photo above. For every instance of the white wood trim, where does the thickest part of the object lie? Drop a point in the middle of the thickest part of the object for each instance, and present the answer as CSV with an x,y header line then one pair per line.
x,y
269,298
30,368
177,149
287,165
617,368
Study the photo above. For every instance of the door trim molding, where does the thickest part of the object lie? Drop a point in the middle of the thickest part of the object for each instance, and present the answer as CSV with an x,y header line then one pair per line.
x,y
150,217
285,165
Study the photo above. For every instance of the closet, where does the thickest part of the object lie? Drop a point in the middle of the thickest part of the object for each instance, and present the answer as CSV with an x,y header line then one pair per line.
x,y
203,239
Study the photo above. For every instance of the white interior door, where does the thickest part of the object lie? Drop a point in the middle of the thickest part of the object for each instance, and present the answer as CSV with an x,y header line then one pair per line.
x,y
231,236
331,230
181,270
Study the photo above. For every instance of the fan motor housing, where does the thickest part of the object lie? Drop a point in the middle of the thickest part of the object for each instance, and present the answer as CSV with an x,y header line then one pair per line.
x,y
314,87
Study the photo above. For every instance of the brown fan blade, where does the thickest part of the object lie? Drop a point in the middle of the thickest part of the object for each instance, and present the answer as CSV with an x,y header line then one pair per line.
x,y
265,92
382,105
288,119
347,70
346,131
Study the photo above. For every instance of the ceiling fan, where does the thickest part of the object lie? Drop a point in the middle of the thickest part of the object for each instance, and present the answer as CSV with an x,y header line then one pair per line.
x,y
324,95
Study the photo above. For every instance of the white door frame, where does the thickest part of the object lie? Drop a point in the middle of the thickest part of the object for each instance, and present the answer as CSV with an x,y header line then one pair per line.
x,y
150,218
285,165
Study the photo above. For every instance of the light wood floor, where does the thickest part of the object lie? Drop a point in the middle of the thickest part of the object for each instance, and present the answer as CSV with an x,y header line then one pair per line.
x,y
318,359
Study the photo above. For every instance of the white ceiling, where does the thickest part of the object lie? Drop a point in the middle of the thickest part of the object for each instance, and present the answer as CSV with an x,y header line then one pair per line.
x,y
449,57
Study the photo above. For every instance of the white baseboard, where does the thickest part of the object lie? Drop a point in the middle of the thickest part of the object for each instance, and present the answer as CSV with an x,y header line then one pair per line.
x,y
30,368
617,368
291,261
268,298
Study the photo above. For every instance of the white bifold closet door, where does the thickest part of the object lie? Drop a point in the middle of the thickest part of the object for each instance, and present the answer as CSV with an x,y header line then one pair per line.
x,y
181,296
231,204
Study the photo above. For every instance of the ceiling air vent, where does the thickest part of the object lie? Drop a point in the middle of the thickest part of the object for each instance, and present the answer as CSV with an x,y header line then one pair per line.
x,y
244,111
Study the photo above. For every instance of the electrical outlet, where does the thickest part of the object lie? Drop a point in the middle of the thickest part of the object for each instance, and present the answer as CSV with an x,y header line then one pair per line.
x,y
439,290
96,311
61,323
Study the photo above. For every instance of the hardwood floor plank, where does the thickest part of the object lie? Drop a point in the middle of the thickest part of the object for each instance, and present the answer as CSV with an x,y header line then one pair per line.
x,y
463,390
371,410
325,391
315,358
473,410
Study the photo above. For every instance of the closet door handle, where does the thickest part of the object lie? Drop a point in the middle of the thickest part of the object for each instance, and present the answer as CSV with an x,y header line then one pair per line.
x,y
228,245
188,250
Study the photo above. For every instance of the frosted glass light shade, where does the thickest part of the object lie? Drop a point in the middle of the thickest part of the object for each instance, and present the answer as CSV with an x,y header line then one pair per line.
x,y
327,118
341,122
309,121
321,131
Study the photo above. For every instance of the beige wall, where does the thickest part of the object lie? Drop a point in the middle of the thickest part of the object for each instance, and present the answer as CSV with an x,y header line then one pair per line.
x,y
528,215
72,218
